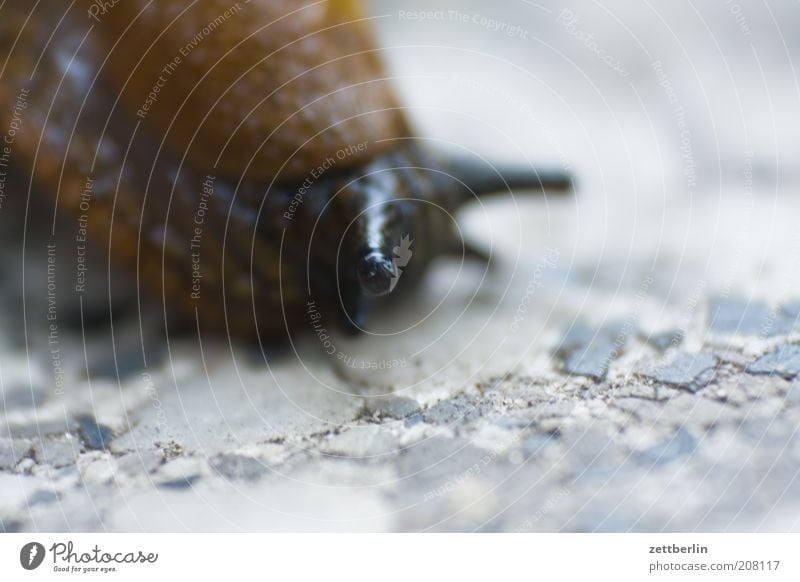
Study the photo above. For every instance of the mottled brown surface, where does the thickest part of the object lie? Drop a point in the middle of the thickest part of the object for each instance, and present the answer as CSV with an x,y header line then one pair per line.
x,y
274,88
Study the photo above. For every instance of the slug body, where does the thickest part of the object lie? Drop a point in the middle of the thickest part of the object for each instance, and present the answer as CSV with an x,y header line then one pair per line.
x,y
241,159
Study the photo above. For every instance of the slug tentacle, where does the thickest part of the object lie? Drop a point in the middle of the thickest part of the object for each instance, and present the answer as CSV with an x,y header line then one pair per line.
x,y
483,179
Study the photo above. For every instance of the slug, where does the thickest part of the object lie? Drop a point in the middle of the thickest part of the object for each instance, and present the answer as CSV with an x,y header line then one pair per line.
x,y
242,159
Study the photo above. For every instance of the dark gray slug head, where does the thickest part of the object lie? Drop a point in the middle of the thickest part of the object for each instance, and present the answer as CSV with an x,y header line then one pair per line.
x,y
387,222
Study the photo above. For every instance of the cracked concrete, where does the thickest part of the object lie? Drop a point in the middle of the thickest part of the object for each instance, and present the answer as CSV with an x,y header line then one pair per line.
x,y
514,453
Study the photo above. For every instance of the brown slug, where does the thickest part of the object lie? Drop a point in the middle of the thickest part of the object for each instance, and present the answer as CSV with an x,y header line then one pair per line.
x,y
240,158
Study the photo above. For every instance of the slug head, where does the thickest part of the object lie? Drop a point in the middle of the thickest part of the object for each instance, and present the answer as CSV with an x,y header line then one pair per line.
x,y
388,220
386,242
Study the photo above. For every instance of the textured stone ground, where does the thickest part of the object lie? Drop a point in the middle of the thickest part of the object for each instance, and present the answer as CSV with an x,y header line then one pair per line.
x,y
686,439
630,363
